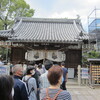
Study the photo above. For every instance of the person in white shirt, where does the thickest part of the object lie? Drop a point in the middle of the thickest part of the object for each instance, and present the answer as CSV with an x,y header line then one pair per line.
x,y
44,83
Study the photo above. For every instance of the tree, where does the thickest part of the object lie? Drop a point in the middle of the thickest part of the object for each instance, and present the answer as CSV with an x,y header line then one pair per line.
x,y
91,54
1,25
9,9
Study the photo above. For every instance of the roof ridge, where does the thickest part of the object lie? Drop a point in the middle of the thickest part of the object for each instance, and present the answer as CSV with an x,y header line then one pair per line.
x,y
16,27
76,26
47,19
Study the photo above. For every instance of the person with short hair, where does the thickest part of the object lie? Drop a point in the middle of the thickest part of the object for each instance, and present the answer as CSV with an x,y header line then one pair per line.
x,y
20,92
36,76
40,69
30,83
44,83
6,87
65,76
55,74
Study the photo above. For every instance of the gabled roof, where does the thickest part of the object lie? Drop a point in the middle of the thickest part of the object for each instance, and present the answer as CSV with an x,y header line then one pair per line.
x,y
45,30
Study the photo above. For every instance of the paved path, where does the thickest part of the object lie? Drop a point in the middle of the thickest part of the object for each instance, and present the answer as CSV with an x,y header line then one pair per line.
x,y
84,92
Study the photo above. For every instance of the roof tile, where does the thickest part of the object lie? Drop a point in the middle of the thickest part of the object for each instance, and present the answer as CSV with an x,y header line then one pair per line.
x,y
48,30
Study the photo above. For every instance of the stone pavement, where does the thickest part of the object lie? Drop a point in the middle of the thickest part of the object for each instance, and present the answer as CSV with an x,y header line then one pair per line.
x,y
83,92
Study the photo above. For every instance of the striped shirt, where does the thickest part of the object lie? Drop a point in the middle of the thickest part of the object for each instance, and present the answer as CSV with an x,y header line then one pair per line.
x,y
64,95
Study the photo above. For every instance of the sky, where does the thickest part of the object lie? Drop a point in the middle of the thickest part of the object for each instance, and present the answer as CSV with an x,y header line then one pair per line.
x,y
64,9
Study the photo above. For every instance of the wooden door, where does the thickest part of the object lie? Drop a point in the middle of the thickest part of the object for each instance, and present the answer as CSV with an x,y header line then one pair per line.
x,y
17,54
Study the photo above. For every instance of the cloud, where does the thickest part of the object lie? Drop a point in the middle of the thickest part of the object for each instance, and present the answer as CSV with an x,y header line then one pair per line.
x,y
64,8
65,14
70,15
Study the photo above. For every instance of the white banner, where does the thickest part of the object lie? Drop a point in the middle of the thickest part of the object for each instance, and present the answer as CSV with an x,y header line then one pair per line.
x,y
34,55
53,55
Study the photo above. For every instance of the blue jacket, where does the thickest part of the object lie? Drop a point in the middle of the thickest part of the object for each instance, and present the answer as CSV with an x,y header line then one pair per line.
x,y
20,92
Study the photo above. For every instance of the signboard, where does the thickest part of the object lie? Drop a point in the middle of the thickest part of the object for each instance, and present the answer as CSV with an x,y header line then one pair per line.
x,y
70,72
84,73
4,70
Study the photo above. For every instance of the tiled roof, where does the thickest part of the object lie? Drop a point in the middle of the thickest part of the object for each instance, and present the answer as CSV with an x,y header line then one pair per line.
x,y
93,59
45,30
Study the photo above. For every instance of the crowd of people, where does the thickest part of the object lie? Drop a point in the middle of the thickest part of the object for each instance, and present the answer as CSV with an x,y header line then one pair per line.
x,y
35,82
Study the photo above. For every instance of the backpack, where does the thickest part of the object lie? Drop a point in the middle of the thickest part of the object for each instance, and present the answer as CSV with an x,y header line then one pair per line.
x,y
48,97
32,89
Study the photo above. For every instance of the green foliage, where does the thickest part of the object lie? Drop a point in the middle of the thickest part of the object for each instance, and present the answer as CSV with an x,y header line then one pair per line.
x,y
94,54
9,9
1,25
91,54
4,52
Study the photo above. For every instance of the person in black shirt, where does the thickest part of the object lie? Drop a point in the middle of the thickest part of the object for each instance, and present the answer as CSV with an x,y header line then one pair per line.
x,y
65,76
6,87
